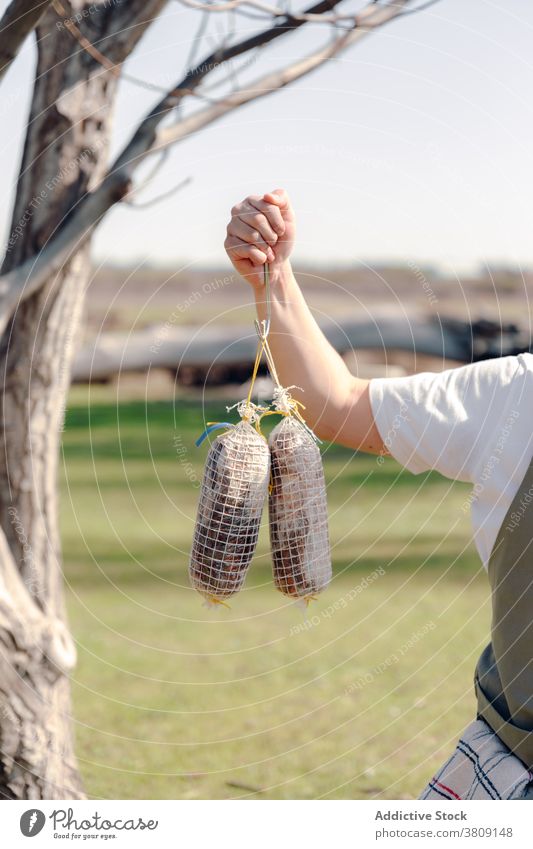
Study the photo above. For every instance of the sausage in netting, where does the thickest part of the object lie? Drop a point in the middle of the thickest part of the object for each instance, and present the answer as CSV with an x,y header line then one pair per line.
x,y
299,534
234,488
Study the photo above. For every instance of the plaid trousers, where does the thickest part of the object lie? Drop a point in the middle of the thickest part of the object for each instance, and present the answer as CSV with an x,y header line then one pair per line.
x,y
482,767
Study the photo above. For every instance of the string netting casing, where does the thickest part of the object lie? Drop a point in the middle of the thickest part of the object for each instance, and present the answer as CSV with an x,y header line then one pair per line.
x,y
232,495
299,535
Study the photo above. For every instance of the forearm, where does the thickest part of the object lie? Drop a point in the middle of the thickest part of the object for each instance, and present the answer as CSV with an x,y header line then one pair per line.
x,y
337,404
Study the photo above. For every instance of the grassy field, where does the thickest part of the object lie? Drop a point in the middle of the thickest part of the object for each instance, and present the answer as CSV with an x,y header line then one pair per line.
x,y
360,697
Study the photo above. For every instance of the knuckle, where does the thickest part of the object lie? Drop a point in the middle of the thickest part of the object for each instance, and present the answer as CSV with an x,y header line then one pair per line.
x,y
272,221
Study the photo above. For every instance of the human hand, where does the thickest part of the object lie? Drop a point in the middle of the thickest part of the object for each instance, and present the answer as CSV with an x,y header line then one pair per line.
x,y
261,229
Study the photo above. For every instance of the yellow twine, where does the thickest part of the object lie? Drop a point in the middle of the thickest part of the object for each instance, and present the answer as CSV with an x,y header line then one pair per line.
x,y
214,600
292,412
258,355
295,406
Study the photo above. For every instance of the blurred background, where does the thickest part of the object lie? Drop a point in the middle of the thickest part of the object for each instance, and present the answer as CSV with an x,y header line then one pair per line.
x,y
407,160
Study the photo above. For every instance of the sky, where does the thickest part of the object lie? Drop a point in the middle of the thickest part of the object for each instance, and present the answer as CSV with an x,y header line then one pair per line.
x,y
414,146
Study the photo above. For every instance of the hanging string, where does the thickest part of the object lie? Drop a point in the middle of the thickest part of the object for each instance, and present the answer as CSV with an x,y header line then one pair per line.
x,y
259,354
247,409
284,403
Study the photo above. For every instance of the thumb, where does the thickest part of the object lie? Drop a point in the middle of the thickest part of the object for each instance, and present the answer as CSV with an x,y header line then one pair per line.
x,y
278,197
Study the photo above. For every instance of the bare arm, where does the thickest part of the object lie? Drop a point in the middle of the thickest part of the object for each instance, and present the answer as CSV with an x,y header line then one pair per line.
x,y
337,404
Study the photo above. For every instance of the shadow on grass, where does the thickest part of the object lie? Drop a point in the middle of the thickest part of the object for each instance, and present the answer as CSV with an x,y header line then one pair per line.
x,y
135,430
114,566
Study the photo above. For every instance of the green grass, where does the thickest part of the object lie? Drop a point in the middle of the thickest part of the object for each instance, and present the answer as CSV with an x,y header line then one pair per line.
x,y
262,700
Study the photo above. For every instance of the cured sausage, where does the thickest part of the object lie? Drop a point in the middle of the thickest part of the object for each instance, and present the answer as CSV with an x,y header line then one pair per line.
x,y
299,535
232,495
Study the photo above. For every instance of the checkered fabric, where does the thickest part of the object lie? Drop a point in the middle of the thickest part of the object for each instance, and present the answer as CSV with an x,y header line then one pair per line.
x,y
482,767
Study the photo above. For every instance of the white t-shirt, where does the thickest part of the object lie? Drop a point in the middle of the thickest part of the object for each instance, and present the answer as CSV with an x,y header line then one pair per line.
x,y
473,423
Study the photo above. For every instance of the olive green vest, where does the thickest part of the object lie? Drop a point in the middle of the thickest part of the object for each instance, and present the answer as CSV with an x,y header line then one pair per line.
x,y
504,673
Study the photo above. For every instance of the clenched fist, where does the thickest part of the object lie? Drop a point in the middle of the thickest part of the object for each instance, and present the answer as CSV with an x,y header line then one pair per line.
x,y
261,230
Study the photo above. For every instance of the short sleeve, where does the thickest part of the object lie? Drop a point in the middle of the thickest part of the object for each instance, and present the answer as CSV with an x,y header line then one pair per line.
x,y
447,421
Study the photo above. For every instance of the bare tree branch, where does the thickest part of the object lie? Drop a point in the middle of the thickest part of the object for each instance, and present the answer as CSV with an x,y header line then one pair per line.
x,y
145,204
276,80
267,9
421,8
20,18
194,77
27,278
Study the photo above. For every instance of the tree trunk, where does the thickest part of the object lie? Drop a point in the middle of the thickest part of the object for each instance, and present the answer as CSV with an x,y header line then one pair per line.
x,y
64,160
64,157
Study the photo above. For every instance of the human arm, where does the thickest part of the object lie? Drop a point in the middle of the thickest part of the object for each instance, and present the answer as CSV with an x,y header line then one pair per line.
x,y
337,404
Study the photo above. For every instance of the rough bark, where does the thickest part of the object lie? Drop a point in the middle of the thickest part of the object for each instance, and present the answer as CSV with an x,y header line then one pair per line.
x,y
63,190
18,20
65,156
